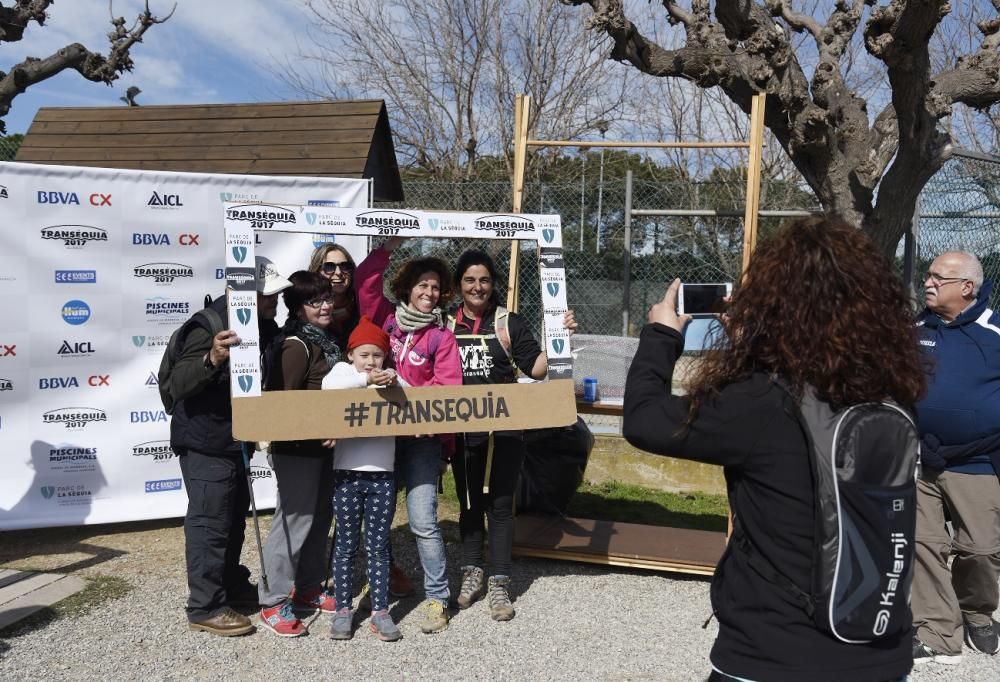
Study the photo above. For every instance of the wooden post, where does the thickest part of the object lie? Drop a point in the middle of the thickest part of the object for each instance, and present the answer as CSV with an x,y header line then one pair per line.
x,y
522,106
754,165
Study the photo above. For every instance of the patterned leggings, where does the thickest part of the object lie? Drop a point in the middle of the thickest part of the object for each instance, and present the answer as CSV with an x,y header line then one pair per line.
x,y
370,495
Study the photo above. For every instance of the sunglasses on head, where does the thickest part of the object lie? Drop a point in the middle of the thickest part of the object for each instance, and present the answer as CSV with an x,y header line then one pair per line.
x,y
345,266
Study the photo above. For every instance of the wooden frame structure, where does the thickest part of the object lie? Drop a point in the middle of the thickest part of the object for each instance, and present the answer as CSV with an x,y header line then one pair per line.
x,y
611,543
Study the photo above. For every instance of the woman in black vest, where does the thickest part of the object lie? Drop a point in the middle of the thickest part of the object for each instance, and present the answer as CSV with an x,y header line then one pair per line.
x,y
495,345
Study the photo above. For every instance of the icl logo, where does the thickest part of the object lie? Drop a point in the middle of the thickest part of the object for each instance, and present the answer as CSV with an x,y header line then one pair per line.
x,y
553,288
246,382
138,341
48,491
558,345
243,315
240,253
548,235
311,218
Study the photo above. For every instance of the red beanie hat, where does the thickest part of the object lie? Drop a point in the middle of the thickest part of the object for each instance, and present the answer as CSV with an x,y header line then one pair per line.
x,y
368,332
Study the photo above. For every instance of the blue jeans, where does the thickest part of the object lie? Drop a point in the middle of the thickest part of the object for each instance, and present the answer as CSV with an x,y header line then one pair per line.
x,y
368,496
418,464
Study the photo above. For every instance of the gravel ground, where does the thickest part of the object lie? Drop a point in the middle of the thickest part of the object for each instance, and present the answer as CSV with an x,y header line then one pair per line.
x,y
574,621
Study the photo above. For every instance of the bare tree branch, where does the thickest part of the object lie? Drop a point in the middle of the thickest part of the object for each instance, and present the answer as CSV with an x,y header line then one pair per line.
x,y
91,65
13,20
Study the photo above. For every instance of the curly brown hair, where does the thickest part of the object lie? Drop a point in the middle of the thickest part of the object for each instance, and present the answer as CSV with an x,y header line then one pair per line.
x,y
819,305
409,275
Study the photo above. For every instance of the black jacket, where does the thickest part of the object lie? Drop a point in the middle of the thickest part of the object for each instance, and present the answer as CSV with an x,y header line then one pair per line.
x,y
203,415
750,429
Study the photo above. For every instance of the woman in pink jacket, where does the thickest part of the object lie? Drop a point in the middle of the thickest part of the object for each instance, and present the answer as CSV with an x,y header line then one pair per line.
x,y
424,353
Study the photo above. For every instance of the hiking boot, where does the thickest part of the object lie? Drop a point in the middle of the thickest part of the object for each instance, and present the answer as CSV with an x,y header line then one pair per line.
x,y
282,621
473,586
242,594
435,617
924,654
399,584
982,638
311,600
342,624
381,626
226,623
499,598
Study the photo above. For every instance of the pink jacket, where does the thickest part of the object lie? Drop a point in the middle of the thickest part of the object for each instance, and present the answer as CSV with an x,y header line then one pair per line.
x,y
431,357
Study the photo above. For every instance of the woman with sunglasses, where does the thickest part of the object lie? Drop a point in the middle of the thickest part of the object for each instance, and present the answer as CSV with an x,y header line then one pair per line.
x,y
295,551
334,263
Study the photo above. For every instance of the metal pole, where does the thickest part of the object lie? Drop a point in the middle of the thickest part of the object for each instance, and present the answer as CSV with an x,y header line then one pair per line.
x,y
627,255
600,201
583,194
253,508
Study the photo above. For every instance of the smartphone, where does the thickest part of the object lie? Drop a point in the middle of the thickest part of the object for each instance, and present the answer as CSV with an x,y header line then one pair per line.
x,y
703,300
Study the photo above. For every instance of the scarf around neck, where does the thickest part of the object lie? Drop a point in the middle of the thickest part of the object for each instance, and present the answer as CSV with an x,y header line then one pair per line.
x,y
410,319
296,327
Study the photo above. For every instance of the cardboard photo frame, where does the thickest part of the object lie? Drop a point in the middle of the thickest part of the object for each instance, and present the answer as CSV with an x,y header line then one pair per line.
x,y
299,415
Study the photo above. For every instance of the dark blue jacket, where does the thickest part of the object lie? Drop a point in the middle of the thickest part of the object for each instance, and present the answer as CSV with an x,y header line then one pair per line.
x,y
963,384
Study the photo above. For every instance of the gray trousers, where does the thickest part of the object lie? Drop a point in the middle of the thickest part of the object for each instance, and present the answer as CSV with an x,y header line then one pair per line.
x,y
941,597
295,552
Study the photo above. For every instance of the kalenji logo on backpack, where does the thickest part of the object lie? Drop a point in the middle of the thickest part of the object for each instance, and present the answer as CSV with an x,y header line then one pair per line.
x,y
864,461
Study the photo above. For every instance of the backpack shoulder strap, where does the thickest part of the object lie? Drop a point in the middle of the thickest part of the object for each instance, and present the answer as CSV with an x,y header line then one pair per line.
x,y
500,319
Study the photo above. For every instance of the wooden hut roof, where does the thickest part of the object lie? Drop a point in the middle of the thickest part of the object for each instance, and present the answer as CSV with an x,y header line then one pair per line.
x,y
349,139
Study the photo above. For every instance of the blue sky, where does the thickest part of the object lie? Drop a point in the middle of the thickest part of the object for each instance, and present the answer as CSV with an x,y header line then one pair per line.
x,y
210,51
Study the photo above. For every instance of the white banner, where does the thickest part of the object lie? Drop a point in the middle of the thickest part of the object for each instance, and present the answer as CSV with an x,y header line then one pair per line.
x,y
97,268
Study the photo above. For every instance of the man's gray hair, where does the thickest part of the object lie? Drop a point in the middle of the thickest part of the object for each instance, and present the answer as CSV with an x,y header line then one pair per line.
x,y
971,270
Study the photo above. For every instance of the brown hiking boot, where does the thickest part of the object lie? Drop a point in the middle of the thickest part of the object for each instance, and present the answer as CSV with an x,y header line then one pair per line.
x,y
226,623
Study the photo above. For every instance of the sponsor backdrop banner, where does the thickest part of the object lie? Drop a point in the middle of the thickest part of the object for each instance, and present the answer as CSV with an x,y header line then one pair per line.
x,y
97,268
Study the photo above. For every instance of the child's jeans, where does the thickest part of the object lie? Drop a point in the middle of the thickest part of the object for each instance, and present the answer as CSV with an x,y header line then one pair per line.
x,y
368,495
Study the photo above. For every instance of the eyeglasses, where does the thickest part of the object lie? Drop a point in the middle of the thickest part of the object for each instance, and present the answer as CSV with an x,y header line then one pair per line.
x,y
345,267
317,303
938,280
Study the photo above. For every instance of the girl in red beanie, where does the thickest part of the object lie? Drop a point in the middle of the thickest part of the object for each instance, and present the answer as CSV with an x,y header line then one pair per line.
x,y
364,489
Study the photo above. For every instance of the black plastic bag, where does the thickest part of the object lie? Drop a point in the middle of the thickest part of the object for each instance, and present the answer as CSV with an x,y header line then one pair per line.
x,y
554,464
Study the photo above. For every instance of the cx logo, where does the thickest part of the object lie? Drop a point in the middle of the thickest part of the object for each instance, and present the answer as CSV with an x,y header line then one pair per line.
x,y
100,199
99,380
6,350
188,240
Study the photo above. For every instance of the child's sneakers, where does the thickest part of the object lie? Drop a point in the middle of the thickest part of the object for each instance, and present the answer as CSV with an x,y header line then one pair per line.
x,y
311,600
282,621
381,626
435,617
342,625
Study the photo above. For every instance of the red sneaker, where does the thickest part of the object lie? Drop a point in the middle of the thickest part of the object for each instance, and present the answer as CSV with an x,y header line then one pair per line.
x,y
399,584
282,621
316,598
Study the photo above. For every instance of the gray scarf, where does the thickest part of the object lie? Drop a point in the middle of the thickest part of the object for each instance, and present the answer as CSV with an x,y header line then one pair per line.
x,y
304,330
410,319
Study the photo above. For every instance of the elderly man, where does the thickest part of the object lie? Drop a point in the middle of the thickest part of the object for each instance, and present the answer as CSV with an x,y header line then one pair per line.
x,y
201,433
959,422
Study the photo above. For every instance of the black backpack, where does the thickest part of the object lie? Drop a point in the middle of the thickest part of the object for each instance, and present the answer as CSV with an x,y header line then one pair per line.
x,y
864,461
207,318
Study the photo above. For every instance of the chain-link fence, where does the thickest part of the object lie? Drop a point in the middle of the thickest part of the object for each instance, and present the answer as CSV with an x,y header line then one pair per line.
x,y
694,248
8,148
960,210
